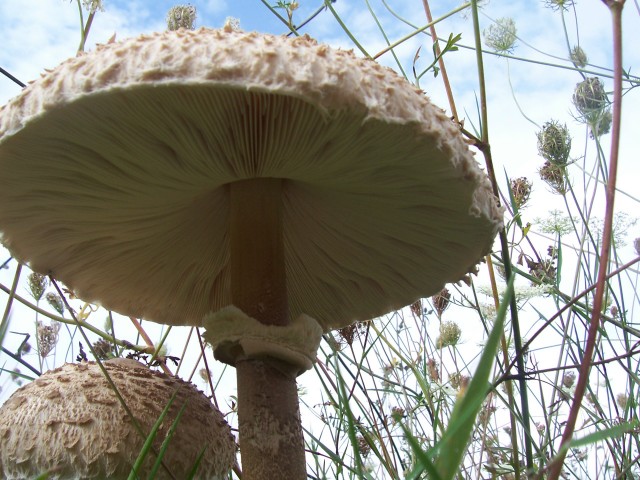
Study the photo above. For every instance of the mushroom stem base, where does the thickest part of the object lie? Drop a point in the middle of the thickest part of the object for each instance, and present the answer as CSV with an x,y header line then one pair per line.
x,y
271,441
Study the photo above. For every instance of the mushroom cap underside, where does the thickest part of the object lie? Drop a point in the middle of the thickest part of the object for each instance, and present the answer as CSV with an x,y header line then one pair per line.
x,y
114,174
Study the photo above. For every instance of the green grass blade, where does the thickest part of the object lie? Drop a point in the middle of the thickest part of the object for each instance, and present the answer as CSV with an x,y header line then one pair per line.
x,y
454,441
166,441
146,447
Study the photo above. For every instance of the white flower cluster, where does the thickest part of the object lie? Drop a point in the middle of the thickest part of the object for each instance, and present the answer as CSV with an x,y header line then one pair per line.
x,y
93,5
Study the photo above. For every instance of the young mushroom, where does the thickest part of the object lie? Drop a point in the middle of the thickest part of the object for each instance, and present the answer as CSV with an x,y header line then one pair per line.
x,y
268,188
70,423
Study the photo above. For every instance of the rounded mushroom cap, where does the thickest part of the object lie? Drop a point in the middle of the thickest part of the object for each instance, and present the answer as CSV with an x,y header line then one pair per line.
x,y
114,173
70,422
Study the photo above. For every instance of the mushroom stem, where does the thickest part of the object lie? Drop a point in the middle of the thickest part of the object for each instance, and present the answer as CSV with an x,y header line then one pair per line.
x,y
271,442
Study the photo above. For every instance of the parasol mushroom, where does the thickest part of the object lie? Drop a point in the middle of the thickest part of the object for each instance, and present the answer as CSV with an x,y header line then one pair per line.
x,y
70,423
266,187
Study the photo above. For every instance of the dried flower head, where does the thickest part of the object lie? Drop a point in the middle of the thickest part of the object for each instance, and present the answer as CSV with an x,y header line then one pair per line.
x,y
102,350
486,412
416,308
554,143
636,245
441,301
459,381
600,123
521,190
543,271
25,348
363,446
16,377
181,16
590,96
204,374
568,379
432,369
349,333
622,399
37,285
397,414
501,36
554,176
614,311
56,302
449,334
578,57
47,337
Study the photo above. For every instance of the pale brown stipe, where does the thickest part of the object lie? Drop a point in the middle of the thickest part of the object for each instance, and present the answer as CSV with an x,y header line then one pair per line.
x,y
70,422
220,174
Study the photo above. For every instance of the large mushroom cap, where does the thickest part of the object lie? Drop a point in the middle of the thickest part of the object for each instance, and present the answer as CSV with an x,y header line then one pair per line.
x,y
70,422
115,166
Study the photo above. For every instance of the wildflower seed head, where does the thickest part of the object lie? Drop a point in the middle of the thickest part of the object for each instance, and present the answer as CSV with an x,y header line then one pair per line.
x,y
441,301
486,412
231,24
397,414
521,189
459,381
600,123
349,333
416,308
432,369
544,271
568,379
181,16
554,176
102,350
363,446
93,5
554,143
56,302
501,36
622,399
37,285
636,245
578,57
24,349
558,5
449,334
15,376
614,311
204,374
47,337
589,96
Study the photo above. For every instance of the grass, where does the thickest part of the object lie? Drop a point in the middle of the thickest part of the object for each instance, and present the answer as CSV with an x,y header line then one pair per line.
x,y
536,377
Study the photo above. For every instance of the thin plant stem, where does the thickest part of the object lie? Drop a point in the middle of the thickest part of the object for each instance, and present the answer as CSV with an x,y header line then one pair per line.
x,y
515,324
421,29
443,69
615,7
347,31
149,343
